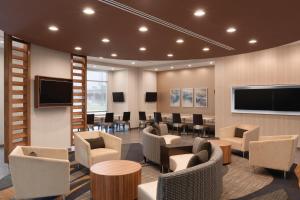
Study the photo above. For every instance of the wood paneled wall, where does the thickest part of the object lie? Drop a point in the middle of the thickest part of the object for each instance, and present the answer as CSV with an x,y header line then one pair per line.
x,y
79,109
16,93
280,65
202,77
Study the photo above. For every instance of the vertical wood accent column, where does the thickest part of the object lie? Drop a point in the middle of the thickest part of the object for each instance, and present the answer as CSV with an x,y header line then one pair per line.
x,y
79,109
16,93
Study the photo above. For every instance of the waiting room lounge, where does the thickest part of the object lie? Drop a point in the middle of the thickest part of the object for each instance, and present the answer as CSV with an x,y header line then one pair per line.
x,y
149,100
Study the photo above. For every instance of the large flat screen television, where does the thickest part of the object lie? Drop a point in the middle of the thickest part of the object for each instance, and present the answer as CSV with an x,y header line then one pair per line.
x,y
151,97
118,97
267,99
53,92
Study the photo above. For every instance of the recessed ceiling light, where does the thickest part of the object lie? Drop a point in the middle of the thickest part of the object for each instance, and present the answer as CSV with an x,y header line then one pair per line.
x,y
94,66
199,13
189,65
155,69
252,41
88,11
53,28
143,29
1,41
143,49
101,58
179,41
170,55
206,49
211,62
231,30
105,40
171,67
112,68
78,48
114,55
133,63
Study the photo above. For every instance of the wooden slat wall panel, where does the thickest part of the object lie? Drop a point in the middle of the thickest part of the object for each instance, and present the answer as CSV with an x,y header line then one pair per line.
x,y
17,93
78,111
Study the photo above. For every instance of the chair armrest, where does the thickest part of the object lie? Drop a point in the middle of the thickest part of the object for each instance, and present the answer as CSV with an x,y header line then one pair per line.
x,y
251,135
47,177
112,142
261,153
82,151
226,132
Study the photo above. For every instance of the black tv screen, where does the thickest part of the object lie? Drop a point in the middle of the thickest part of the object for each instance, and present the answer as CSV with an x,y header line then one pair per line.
x,y
118,97
151,97
53,92
283,98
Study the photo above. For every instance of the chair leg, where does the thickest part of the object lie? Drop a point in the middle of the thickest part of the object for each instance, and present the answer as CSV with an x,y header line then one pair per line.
x,y
243,154
284,174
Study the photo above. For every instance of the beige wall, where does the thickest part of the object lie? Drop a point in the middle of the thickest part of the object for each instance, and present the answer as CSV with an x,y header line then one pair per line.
x,y
280,65
1,96
50,127
202,77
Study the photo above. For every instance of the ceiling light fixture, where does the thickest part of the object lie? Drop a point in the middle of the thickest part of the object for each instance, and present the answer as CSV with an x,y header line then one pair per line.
x,y
211,62
133,63
143,49
170,55
155,69
88,11
205,49
231,30
199,13
189,65
114,55
1,41
180,41
100,58
171,67
252,41
53,28
143,29
78,48
105,40
112,68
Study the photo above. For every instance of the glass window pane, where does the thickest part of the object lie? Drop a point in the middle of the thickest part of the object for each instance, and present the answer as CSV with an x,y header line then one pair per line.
x,y
96,75
97,96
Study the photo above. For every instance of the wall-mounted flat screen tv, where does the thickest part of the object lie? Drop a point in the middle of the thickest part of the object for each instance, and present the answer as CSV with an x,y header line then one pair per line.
x,y
53,92
267,99
151,97
118,97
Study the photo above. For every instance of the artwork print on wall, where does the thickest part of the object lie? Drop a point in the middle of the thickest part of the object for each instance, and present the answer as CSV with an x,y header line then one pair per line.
x,y
200,99
187,97
175,97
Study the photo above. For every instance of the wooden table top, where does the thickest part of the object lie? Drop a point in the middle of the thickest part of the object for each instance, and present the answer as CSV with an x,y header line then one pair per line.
x,y
115,168
220,143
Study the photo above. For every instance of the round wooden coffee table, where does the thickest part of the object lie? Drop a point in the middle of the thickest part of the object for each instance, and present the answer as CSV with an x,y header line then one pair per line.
x,y
226,148
115,180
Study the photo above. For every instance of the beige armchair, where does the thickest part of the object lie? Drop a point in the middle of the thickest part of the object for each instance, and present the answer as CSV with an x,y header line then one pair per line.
x,y
274,152
39,172
87,156
241,144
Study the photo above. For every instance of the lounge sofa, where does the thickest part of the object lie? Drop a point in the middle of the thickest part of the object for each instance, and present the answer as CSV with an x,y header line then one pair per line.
x,y
87,156
39,172
240,144
152,142
201,182
274,152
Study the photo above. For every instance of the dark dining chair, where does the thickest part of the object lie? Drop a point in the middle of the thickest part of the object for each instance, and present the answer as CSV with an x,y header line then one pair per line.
x,y
198,124
125,121
176,121
157,117
108,122
90,118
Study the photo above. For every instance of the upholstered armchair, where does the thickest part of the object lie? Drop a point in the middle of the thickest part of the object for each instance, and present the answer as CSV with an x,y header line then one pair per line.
x,y
39,172
240,144
87,156
274,152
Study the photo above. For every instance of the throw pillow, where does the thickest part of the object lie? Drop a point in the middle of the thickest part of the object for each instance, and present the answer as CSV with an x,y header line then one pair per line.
x,y
198,158
194,160
96,143
198,142
206,146
33,154
239,132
